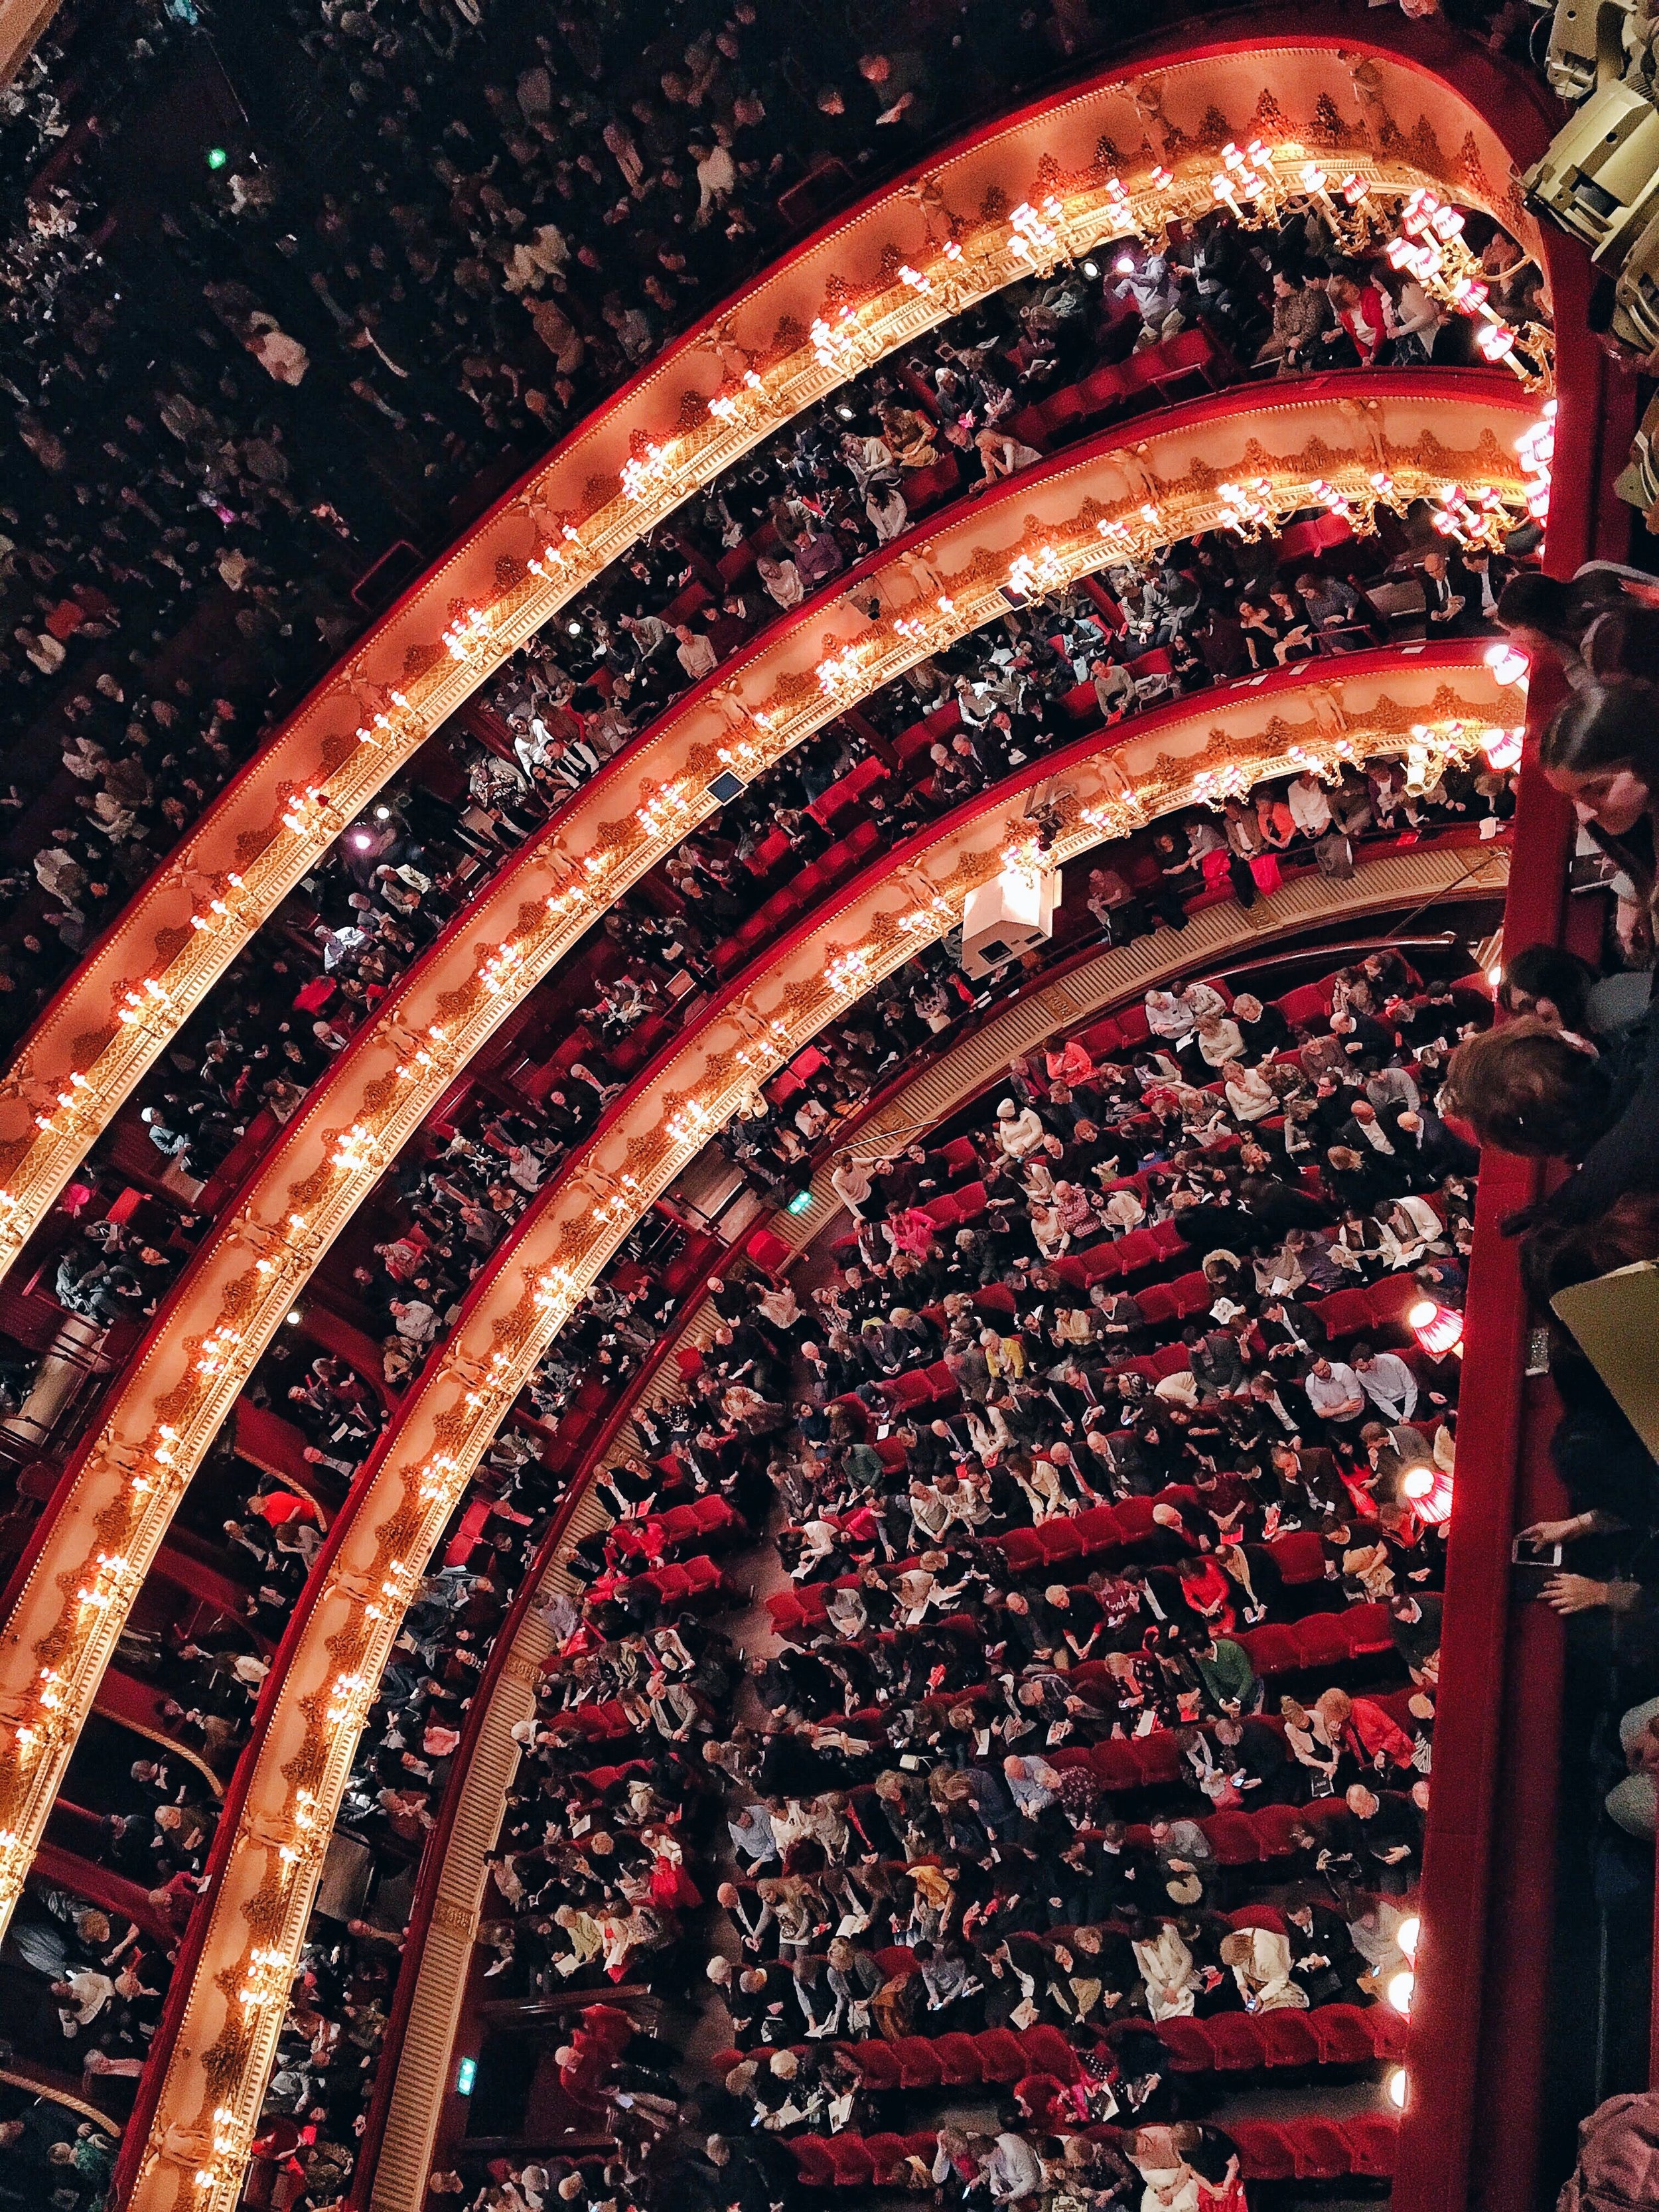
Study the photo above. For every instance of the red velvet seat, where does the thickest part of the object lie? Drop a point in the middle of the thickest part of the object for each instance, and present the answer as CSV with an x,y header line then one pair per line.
x,y
812,2155
1192,352
1000,2056
1105,388
887,2151
1300,1557
879,2067
1233,1839
1268,1917
958,2060
1345,1312
1372,2139
1047,2052
1113,1764
850,2160
1273,1650
1157,1303
1235,2043
1021,1547
1265,2149
1059,1541
1287,2039
1320,2148
1188,2042
919,2068
1137,1250
1320,1639
1367,1628
1156,1758
1096,1528
1345,2034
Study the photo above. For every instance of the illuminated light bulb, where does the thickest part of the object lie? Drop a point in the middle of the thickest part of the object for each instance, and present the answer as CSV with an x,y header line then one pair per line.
x,y
1125,264
1508,664
1407,1933
1400,1990
1438,1329
1396,2087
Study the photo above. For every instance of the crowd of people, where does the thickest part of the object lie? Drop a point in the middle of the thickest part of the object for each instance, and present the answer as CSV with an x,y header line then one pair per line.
x,y
631,1905
960,409
906,1811
946,1791
142,750
337,2012
1212,609
87,1984
1142,884
49,2154
495,225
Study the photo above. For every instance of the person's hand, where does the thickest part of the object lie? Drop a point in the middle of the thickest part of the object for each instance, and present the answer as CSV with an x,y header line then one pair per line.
x,y
1574,1594
1550,1531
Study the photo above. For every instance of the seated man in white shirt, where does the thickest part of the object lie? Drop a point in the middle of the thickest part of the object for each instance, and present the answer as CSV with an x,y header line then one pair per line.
x,y
1336,1395
1386,1382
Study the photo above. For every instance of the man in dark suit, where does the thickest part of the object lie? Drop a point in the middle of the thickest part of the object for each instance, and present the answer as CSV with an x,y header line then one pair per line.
x,y
1291,1331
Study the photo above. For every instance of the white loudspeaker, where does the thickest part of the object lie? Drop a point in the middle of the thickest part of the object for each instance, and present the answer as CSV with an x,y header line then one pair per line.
x,y
1600,178
1005,918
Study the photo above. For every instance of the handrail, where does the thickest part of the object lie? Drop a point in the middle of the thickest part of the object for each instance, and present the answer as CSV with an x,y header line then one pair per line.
x,y
728,383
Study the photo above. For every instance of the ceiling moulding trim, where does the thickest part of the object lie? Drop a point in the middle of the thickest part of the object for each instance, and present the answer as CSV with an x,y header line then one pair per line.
x,y
423,2059
100,1532
292,1777
1079,170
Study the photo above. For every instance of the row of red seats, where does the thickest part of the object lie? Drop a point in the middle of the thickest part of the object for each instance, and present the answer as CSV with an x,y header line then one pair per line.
x,y
1300,2148
802,891
1152,1761
708,1521
1299,1556
1100,1529
1230,2042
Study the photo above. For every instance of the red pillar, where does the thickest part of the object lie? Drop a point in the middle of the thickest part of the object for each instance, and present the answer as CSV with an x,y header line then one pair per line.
x,y
1479,2014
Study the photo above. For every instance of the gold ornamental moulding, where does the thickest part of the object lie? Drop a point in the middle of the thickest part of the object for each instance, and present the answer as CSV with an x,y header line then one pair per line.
x,y
171,1402
216,2068
1112,160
